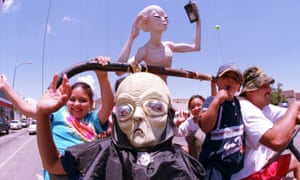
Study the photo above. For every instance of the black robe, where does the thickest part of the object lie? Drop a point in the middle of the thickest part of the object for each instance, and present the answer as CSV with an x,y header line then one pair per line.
x,y
114,158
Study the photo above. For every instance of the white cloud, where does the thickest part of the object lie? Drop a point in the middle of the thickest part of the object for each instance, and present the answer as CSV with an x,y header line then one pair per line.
x,y
87,79
31,101
69,19
48,30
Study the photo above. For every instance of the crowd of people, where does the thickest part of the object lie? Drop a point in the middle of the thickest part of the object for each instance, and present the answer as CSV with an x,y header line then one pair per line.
x,y
231,134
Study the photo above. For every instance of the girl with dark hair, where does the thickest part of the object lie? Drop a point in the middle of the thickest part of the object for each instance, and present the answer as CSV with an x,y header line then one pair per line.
x,y
76,121
187,125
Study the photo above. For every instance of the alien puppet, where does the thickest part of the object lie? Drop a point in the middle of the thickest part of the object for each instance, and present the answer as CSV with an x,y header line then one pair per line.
x,y
140,146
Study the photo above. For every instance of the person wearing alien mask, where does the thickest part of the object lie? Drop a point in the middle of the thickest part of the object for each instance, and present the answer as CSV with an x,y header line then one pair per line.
x,y
141,143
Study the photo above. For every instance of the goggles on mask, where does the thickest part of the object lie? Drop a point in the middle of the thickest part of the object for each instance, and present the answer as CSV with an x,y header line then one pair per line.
x,y
152,108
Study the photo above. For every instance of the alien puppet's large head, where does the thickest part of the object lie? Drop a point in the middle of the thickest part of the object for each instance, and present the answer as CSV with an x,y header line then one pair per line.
x,y
143,112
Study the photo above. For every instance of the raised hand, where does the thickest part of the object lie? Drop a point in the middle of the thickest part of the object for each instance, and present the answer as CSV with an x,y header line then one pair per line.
x,y
103,60
182,116
54,98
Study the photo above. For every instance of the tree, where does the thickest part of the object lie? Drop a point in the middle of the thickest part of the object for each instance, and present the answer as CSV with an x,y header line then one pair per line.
x,y
276,96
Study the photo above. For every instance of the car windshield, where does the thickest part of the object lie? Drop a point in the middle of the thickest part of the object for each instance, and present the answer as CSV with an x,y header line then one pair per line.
x,y
33,122
14,121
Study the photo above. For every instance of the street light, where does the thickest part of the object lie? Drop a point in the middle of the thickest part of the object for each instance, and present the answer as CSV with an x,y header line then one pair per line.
x,y
16,67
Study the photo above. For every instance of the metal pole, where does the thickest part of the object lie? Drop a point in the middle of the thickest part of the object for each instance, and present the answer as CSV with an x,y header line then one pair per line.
x,y
15,71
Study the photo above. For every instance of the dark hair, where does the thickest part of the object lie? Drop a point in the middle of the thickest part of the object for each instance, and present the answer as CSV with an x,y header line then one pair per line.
x,y
194,97
118,82
85,87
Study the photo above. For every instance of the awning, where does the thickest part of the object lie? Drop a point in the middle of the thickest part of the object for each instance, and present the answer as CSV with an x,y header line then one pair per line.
x,y
5,103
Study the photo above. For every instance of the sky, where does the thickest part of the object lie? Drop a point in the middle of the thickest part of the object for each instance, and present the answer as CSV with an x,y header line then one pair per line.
x,y
56,34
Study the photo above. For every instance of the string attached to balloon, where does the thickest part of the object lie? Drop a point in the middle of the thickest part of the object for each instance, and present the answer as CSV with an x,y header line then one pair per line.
x,y
217,28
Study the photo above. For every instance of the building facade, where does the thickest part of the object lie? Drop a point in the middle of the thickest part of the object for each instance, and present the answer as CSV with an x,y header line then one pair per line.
x,y
6,107
291,95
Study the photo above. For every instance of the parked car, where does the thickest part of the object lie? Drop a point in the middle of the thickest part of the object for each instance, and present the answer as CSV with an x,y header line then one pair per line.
x,y
284,104
32,127
25,123
4,126
15,124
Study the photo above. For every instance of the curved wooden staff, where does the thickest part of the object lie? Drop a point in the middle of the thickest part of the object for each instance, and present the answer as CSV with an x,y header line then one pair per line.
x,y
131,68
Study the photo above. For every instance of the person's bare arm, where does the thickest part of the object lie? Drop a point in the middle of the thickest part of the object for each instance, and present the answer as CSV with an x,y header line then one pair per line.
x,y
209,117
18,102
277,137
107,96
50,102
